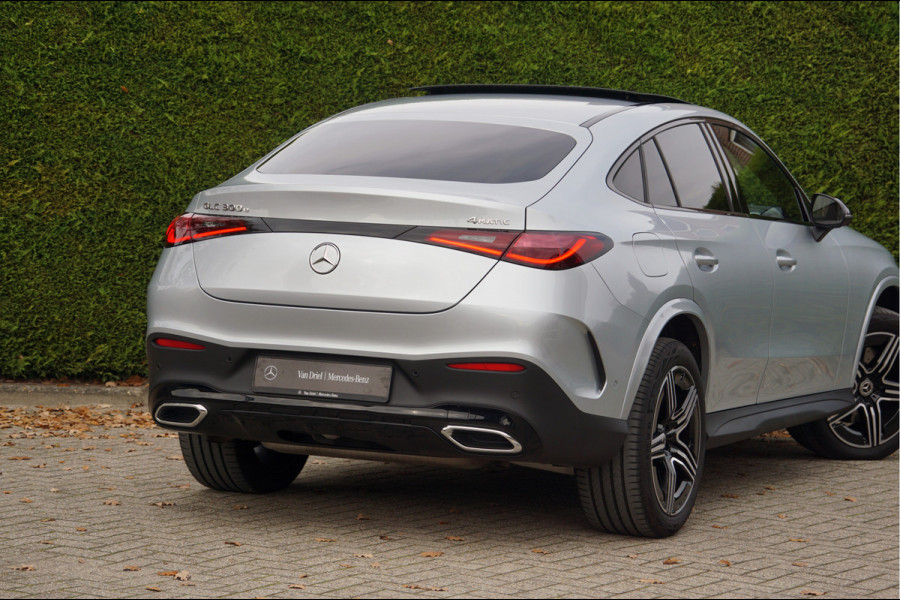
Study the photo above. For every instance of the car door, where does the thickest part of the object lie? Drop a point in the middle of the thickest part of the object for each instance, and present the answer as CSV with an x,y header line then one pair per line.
x,y
810,295
721,250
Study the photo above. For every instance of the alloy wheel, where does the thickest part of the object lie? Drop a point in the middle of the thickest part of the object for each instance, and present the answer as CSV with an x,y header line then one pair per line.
x,y
675,443
873,420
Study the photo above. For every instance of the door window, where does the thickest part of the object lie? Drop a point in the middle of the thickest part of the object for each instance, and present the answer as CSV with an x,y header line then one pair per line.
x,y
695,176
766,191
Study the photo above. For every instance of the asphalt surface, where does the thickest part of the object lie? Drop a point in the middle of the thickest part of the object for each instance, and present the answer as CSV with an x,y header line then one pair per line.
x,y
110,510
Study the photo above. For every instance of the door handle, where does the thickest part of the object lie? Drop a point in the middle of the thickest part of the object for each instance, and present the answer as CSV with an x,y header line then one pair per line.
x,y
706,260
785,261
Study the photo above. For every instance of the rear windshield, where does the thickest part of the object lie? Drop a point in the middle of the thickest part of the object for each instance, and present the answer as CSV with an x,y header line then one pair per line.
x,y
439,150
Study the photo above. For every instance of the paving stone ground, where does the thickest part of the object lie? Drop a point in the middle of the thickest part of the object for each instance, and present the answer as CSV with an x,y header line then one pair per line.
x,y
105,515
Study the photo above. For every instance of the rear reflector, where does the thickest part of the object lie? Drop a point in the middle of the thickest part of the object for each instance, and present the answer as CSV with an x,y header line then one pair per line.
x,y
169,343
192,227
484,366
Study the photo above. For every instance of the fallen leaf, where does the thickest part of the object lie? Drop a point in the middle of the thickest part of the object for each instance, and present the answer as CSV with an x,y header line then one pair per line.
x,y
26,500
725,563
671,561
455,538
111,503
798,540
632,556
829,493
23,568
152,588
131,569
40,466
233,544
720,526
19,458
800,564
375,565
325,540
81,529
384,537
47,520
656,581
782,516
167,573
362,517
297,586
433,554
45,542
849,499
811,593
363,555
239,507
538,551
771,488
730,496
426,588
346,565
302,576
174,457
162,504
182,576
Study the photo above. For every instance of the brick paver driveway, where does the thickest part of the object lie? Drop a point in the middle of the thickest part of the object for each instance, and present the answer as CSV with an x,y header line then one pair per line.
x,y
113,512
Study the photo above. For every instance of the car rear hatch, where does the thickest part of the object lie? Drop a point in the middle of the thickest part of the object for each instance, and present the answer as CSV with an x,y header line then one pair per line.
x,y
338,213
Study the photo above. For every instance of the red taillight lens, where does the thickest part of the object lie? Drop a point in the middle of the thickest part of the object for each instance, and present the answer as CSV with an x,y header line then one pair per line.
x,y
192,227
486,366
170,343
477,241
538,249
557,250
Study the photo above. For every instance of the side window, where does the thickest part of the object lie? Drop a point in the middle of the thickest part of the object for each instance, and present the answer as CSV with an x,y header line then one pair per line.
x,y
764,188
659,188
628,178
695,176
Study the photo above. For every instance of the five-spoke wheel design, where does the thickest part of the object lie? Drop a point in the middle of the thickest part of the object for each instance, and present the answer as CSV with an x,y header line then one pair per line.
x,y
649,487
675,445
868,429
873,421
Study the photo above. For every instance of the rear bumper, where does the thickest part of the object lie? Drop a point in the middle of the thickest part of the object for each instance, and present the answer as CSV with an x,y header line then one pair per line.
x,y
433,411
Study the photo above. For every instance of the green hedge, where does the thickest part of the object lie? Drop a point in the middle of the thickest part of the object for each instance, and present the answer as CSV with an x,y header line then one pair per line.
x,y
116,113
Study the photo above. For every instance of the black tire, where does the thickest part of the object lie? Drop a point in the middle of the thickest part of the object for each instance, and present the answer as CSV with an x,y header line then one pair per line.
x,y
868,430
649,487
238,465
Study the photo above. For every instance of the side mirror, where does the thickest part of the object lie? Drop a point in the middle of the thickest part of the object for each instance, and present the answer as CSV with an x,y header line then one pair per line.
x,y
828,213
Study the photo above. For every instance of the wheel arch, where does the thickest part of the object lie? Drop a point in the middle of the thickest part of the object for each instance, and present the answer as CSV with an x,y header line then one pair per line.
x,y
680,319
885,295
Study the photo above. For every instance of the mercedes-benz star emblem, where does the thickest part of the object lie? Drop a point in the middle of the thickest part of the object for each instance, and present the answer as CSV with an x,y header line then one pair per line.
x,y
324,258
270,373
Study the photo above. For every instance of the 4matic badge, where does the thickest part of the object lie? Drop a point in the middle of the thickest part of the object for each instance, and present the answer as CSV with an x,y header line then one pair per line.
x,y
482,221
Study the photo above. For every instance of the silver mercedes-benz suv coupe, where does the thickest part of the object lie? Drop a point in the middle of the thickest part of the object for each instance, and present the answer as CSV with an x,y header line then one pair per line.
x,y
593,280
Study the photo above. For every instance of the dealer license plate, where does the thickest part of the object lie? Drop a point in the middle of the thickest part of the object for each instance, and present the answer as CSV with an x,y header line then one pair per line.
x,y
322,379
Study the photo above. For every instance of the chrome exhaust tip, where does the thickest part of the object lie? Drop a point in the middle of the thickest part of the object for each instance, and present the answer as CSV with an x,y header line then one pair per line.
x,y
479,439
176,414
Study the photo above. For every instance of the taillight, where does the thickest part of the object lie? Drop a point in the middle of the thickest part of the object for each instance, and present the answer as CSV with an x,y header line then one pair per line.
x,y
476,241
557,250
550,250
192,227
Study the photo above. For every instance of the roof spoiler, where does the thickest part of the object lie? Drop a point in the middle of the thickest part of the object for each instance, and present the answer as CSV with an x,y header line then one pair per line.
x,y
545,90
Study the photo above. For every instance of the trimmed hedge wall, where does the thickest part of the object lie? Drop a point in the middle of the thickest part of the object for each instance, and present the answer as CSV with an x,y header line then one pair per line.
x,y
116,113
